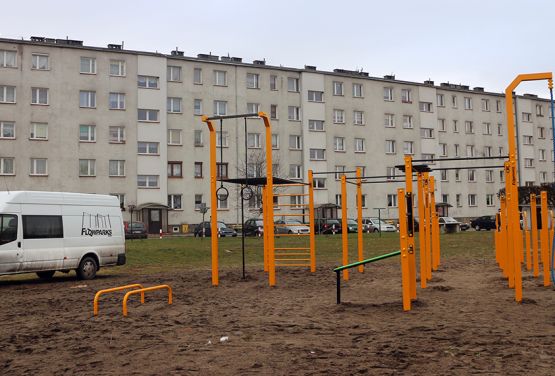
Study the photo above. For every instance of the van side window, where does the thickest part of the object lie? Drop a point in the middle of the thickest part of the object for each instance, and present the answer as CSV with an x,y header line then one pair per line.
x,y
42,226
8,228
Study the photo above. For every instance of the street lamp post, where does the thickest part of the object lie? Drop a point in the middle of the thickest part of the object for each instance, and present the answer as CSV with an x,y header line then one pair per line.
x,y
379,219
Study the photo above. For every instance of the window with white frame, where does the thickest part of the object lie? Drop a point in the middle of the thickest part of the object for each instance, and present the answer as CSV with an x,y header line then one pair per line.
x,y
148,82
444,175
337,88
472,176
116,168
39,95
174,201
425,106
117,68
454,101
273,82
445,198
528,162
390,173
427,132
7,166
362,170
360,145
440,100
222,202
358,91
174,137
527,140
317,154
275,141
489,200
253,108
117,101
443,149
458,200
148,148
197,170
467,103
469,127
390,147
389,120
253,140
429,157
358,117
174,105
408,147
407,122
147,181
253,81
295,171
489,176
338,116
485,105
117,134
7,94
273,111
87,65
363,201
455,126
470,150
319,183
316,125
406,95
294,113
339,144
222,170
500,151
87,167
297,202
40,62
39,131
197,76
8,59
220,108
220,78
175,169
39,167
198,139
173,73
527,117
87,99
198,201
541,132
293,84
7,130
147,115
295,142
500,129
543,177
539,110
488,151
471,199
457,150
441,125
542,155
315,96
87,133
197,107
391,200
486,128
221,139
388,94
338,200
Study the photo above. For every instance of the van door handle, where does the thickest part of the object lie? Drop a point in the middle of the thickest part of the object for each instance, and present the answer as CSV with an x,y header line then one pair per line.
x,y
18,244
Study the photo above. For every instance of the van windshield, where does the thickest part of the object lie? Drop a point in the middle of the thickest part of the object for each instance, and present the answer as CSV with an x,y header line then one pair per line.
x,y
8,228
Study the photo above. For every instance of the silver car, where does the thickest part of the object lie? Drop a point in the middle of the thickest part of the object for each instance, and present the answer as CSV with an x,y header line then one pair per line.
x,y
291,226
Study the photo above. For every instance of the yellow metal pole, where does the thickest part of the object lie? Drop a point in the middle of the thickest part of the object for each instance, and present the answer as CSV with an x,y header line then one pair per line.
x,y
503,237
311,220
344,227
527,240
359,219
270,203
421,229
544,234
410,236
550,238
435,238
428,225
403,236
496,237
265,226
534,222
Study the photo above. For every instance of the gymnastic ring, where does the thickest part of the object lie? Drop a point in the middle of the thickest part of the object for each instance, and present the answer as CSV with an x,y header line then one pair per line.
x,y
247,193
222,196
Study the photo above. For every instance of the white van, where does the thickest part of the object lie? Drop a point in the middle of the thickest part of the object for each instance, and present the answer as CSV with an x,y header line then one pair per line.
x,y
45,232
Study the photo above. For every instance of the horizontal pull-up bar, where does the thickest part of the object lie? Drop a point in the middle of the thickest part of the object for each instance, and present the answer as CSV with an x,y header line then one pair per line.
x,y
375,177
222,117
465,168
459,159
334,172
384,181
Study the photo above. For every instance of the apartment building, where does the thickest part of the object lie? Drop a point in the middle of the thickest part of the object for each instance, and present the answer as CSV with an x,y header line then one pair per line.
x,y
110,120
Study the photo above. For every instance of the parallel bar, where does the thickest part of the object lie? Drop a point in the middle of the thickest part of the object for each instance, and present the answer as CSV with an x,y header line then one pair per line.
x,y
292,248
459,159
302,265
307,259
222,117
293,254
367,261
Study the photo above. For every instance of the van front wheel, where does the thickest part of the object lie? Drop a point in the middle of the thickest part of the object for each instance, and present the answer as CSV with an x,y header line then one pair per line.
x,y
46,275
87,268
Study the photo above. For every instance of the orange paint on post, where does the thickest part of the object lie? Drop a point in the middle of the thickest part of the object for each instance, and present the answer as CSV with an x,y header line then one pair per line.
x,y
344,227
534,235
403,237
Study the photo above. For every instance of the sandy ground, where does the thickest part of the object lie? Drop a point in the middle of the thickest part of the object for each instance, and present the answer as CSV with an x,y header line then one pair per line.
x,y
465,322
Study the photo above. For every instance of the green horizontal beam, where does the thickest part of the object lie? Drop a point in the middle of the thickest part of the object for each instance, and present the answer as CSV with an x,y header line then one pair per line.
x,y
367,261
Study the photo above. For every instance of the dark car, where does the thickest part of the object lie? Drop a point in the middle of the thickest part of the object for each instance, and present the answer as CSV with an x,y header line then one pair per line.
x,y
135,230
486,222
223,230
327,226
254,227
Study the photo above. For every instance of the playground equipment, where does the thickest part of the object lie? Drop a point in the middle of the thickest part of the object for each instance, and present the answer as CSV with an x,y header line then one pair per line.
x,y
135,288
142,291
119,288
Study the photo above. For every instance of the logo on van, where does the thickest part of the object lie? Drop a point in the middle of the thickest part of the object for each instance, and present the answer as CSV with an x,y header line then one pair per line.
x,y
96,225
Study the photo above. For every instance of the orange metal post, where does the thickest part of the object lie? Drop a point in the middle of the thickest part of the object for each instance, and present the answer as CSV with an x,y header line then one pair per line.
x,y
421,230
534,233
544,235
510,230
403,236
119,288
503,236
142,291
550,238
526,240
359,219
265,227
312,222
427,226
410,236
344,227
496,237
434,222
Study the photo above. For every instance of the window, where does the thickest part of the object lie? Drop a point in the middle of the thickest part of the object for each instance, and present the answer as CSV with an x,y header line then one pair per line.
x,y
406,95
457,150
408,148
488,151
7,166
407,122
222,170
39,95
121,198
117,101
358,91
147,115
427,132
148,82
441,125
542,156
174,202
116,168
472,176
174,137
388,94
501,151
39,167
429,157
390,147
445,198
221,139
317,154
294,113
273,112
292,84
337,88
273,82
541,132
444,176
295,171
253,108
220,78
197,76
360,145
339,143
338,116
543,177
147,147
454,101
443,149
489,176
358,117
489,200
539,110
147,181
486,128
295,142
485,104
40,62
389,121
174,73
467,103
498,106
316,125
455,126
174,104
527,140
87,133
500,129
471,200
319,183
87,99
87,167
7,129
390,173
253,81
458,200
527,117
339,171
338,200
254,170
42,227
391,200
198,170
469,150
425,106
253,140
198,139
440,100
528,162
315,96
39,131
275,141
297,202
7,94
197,107
117,135
222,202
362,170
469,127
88,65
8,59
175,169
198,202
117,68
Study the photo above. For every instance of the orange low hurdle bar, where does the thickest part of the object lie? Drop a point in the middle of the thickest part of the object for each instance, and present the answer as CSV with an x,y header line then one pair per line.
x,y
142,291
119,288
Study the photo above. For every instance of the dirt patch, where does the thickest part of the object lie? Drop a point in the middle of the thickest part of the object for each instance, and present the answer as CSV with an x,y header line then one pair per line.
x,y
247,328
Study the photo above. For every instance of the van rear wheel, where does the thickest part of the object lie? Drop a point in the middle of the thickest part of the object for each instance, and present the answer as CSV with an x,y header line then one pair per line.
x,y
87,268
46,275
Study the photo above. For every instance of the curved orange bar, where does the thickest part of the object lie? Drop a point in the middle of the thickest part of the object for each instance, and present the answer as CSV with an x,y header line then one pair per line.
x,y
119,288
142,291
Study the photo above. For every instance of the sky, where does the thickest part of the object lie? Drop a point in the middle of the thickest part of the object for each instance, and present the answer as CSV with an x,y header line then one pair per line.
x,y
482,43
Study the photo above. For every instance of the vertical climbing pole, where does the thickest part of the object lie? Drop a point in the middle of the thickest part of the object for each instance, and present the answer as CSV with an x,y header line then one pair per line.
x,y
503,235
410,225
534,234
270,200
312,239
405,256
544,238
526,240
427,226
344,227
435,225
359,219
421,229
265,226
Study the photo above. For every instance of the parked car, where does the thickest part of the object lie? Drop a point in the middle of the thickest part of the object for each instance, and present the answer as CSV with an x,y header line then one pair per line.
x,y
135,230
464,226
449,224
352,225
379,225
290,226
327,226
486,222
223,229
254,227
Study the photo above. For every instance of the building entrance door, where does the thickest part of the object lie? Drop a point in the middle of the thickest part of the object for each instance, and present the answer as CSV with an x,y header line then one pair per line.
x,y
154,221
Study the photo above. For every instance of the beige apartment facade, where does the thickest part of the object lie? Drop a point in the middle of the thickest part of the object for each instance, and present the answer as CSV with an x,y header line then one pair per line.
x,y
112,121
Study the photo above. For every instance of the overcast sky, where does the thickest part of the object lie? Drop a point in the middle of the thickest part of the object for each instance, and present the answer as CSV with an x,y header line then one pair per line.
x,y
473,42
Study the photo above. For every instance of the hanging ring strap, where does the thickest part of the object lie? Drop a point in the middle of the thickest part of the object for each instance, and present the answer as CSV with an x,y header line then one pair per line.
x,y
221,152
